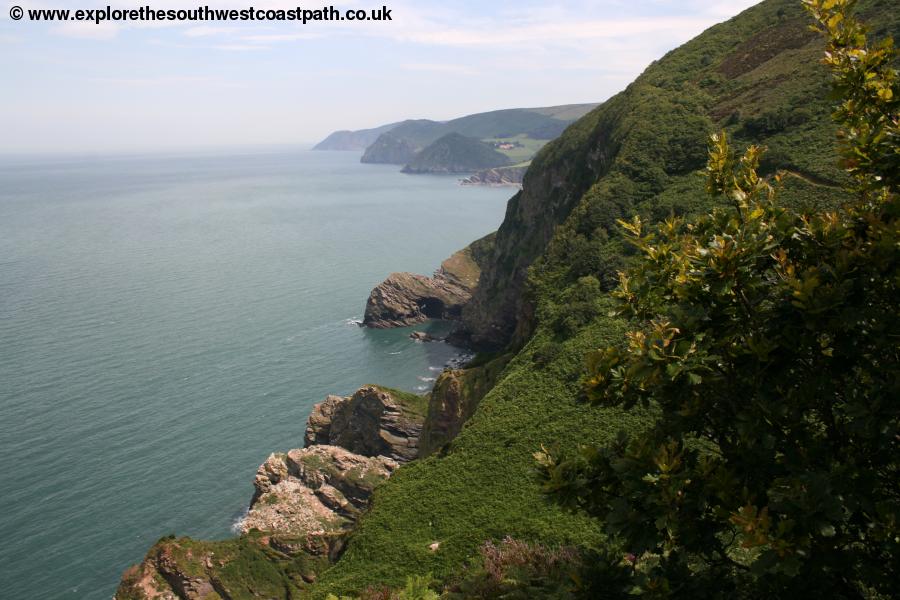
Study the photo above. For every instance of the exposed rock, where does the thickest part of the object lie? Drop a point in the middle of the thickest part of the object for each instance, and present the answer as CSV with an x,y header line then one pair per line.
x,y
186,569
313,492
453,400
499,177
318,424
372,422
405,299
423,336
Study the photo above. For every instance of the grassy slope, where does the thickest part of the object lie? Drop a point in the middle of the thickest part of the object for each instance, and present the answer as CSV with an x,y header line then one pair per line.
x,y
655,130
480,489
456,153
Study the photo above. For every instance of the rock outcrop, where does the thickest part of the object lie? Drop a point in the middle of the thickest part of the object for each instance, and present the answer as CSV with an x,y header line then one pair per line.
x,y
374,421
313,492
405,299
306,501
456,395
499,177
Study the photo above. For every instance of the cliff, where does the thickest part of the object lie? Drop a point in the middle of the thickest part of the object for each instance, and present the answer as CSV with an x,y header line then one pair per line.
x,y
305,503
542,300
501,176
405,299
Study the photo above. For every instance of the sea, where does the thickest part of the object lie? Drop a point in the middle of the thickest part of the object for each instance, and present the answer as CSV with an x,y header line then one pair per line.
x,y
168,320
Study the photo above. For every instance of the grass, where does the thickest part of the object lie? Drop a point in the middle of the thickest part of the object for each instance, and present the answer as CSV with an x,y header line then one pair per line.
x,y
411,404
484,487
526,150
642,152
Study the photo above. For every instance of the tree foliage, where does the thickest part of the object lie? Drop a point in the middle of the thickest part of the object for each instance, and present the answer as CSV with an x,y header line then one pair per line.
x,y
769,343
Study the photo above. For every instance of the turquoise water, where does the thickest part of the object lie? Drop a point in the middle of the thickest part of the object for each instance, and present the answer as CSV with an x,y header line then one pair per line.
x,y
168,321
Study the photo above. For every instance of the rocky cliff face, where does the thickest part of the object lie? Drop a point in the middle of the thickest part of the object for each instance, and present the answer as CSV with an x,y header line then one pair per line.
x,y
501,176
313,492
305,503
553,185
371,422
405,299
453,400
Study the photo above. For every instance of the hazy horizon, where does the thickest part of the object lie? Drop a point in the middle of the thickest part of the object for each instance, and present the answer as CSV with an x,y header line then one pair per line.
x,y
75,88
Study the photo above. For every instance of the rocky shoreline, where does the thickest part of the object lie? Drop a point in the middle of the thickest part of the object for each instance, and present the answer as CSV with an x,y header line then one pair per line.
x,y
405,299
497,177
307,500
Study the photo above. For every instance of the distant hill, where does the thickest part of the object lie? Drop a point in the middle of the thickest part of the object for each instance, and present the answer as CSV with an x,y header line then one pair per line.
x,y
390,149
352,140
456,153
537,125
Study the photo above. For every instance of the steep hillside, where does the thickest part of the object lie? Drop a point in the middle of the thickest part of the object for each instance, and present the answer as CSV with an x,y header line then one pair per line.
x,y
540,305
390,149
557,248
353,140
456,153
536,124
758,76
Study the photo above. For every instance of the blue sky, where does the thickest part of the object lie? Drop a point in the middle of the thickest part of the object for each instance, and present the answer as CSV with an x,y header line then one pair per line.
x,y
80,87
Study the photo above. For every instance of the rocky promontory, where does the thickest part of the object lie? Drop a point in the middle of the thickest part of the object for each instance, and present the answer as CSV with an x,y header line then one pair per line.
x,y
375,421
405,299
306,502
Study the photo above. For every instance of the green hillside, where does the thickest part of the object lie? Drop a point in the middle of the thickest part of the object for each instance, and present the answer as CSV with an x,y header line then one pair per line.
x,y
353,140
543,303
456,153
758,75
536,124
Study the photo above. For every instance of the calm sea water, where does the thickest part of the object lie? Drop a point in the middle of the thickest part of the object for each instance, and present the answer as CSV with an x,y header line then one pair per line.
x,y
168,321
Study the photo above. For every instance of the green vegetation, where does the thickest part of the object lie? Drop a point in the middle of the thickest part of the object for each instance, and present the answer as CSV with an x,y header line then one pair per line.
x,y
412,404
455,153
546,298
242,569
768,339
536,125
524,147
639,153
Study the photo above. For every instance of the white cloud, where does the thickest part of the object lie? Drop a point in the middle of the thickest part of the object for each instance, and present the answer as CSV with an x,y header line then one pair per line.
x,y
85,30
280,37
206,30
439,68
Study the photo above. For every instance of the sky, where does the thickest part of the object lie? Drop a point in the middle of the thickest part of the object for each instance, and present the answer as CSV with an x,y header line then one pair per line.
x,y
81,87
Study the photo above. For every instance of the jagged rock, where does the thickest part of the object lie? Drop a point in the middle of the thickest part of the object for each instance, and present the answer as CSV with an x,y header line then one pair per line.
x,y
456,395
405,299
499,177
319,422
372,422
423,336
186,569
313,492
